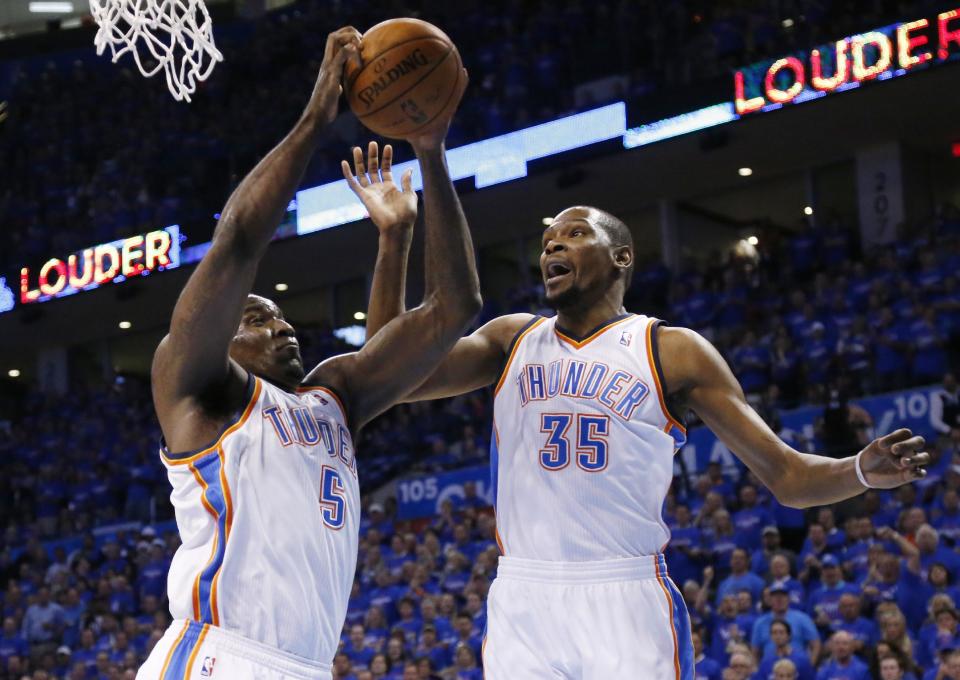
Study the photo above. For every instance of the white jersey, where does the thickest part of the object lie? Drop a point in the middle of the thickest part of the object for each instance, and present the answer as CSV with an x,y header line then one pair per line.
x,y
269,518
583,446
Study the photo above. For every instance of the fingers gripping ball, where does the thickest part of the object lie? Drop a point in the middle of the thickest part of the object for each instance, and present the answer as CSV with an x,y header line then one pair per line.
x,y
408,79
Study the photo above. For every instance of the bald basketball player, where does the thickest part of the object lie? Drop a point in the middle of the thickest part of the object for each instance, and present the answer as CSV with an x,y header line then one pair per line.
x,y
587,418
258,451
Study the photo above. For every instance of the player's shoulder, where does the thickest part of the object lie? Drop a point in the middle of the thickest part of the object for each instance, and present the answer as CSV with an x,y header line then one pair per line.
x,y
677,340
681,339
684,354
332,373
504,330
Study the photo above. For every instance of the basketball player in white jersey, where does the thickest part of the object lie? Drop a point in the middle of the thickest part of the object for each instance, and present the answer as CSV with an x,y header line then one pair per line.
x,y
259,455
587,418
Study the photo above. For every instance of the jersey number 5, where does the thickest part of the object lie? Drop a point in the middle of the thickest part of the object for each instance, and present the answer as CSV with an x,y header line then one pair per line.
x,y
333,504
590,438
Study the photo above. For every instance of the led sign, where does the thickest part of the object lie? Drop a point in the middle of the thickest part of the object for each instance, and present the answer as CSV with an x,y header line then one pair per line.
x,y
106,263
887,52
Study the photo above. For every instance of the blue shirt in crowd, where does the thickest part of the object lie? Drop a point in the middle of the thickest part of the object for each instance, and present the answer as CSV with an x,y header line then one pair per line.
x,y
803,630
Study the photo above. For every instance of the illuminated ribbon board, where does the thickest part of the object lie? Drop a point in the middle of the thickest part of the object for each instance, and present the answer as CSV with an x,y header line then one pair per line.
x,y
94,267
491,161
504,158
684,124
885,53
888,52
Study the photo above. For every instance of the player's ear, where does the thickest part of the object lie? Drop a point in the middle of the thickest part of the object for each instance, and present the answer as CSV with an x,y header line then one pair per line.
x,y
623,256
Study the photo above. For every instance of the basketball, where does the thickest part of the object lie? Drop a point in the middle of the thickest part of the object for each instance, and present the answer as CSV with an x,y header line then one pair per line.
x,y
407,80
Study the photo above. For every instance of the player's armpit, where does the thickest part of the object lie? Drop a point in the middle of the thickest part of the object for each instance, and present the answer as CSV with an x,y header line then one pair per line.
x,y
191,367
695,369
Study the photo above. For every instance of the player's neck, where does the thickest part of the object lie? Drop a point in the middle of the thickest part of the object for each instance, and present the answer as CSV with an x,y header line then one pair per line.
x,y
582,320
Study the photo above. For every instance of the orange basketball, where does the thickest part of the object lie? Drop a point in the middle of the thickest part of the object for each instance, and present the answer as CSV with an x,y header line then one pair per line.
x,y
408,79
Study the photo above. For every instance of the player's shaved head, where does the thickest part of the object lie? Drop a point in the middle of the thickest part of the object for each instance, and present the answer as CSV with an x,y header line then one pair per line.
x,y
254,301
587,255
615,228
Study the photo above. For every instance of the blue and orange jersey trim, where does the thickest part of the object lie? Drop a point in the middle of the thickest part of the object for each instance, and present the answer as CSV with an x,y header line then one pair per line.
x,y
228,525
196,649
514,344
673,427
494,477
254,388
578,342
183,652
177,645
683,661
208,467
661,570
215,498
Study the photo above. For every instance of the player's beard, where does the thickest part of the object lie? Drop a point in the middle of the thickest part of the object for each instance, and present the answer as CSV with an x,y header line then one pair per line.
x,y
565,299
293,370
580,294
284,371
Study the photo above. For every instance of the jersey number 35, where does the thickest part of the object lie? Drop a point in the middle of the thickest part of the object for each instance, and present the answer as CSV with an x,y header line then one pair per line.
x,y
588,441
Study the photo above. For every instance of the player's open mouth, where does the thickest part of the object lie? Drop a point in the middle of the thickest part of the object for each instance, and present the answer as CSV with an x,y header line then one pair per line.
x,y
556,271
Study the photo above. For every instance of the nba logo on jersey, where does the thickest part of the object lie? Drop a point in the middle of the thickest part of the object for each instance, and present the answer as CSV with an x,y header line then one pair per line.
x,y
319,397
626,338
206,670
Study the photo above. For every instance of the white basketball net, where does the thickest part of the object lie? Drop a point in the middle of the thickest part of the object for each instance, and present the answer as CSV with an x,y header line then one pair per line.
x,y
177,34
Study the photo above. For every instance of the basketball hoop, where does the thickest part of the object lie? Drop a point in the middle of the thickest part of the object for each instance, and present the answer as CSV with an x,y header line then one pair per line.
x,y
178,34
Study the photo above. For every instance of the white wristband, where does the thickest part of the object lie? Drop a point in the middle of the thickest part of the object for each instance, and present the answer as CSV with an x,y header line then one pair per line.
x,y
856,466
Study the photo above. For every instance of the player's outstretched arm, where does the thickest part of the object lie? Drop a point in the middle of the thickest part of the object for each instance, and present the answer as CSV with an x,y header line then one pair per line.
x,y
192,361
474,361
409,348
393,210
694,370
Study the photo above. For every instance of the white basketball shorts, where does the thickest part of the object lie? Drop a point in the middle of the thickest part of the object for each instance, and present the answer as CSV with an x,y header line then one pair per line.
x,y
613,620
194,651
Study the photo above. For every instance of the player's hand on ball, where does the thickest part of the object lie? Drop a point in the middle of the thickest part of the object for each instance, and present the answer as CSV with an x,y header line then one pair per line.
x,y
894,460
433,137
390,207
342,44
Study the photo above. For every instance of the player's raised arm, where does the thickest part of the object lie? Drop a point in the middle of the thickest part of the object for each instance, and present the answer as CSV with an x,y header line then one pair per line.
x,y
475,361
695,371
192,361
393,210
408,349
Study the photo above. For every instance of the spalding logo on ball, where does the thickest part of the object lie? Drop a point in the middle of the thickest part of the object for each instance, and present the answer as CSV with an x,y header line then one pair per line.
x,y
407,80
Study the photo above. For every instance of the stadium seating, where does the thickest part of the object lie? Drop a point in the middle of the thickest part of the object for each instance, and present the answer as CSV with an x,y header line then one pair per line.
x,y
77,123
